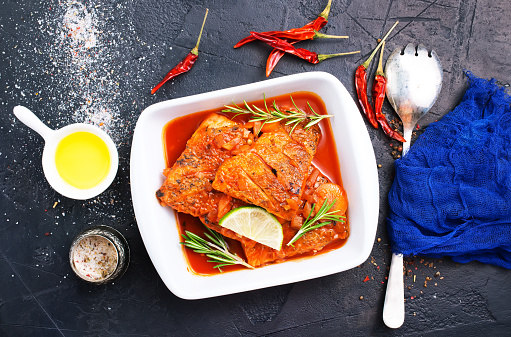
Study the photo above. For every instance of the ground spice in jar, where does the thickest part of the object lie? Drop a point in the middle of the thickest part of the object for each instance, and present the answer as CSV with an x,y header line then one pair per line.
x,y
95,258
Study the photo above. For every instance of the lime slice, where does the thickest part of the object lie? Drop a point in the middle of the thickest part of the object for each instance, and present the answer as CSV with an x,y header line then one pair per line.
x,y
256,224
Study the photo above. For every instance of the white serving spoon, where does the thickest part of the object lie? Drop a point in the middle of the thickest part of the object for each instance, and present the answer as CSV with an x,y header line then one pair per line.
x,y
414,80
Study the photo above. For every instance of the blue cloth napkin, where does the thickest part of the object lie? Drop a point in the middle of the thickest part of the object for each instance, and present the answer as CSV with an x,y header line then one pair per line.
x,y
451,195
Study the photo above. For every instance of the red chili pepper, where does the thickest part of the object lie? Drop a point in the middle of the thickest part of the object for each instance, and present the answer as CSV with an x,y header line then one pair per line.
x,y
322,18
250,38
273,59
361,83
298,34
304,33
186,64
302,53
316,24
379,86
361,86
292,38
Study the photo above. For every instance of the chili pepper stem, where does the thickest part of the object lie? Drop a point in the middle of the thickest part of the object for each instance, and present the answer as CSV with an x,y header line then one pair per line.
x,y
326,11
366,63
379,71
195,49
318,35
322,57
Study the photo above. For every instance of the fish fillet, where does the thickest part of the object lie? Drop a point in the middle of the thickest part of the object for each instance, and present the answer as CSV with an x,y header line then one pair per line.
x,y
187,187
272,173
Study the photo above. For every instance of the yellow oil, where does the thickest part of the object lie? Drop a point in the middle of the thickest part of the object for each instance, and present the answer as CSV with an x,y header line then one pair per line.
x,y
82,159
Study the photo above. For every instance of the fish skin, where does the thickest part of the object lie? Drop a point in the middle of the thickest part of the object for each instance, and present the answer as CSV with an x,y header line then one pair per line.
x,y
188,184
273,172
258,254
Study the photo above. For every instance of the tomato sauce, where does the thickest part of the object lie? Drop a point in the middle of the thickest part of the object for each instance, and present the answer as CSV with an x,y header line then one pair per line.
x,y
178,131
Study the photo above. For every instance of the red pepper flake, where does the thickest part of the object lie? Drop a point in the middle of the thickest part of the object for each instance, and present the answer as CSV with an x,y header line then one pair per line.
x,y
411,297
366,279
47,234
418,126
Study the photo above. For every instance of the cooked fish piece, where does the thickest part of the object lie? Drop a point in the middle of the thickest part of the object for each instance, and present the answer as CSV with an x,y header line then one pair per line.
x,y
311,242
225,204
287,160
258,254
308,138
319,189
187,187
273,172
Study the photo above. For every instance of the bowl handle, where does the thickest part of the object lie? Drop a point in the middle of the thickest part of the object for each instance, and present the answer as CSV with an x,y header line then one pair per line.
x,y
28,118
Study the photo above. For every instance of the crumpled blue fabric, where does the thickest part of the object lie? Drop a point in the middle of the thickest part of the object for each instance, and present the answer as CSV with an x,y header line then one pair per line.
x,y
451,194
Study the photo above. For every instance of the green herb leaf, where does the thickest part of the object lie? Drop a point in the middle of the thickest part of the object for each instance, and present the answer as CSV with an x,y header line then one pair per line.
x,y
216,249
323,217
276,115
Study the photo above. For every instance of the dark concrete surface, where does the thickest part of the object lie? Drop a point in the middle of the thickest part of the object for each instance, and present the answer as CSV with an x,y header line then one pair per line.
x,y
131,44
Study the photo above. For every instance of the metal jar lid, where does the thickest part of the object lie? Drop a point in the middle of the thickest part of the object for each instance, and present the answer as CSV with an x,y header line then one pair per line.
x,y
117,241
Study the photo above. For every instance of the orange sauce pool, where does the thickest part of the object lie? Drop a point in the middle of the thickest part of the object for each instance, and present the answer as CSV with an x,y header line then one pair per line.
x,y
178,131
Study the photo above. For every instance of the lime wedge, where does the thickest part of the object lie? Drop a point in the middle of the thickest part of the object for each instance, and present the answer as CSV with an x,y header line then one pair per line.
x,y
256,224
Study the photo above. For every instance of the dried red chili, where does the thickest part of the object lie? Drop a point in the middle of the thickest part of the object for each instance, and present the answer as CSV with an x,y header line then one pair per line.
x,y
277,54
298,34
273,59
316,24
186,64
302,53
250,38
306,33
361,83
361,86
322,18
379,86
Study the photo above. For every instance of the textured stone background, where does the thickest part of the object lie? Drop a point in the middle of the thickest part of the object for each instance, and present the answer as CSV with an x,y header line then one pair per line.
x,y
137,43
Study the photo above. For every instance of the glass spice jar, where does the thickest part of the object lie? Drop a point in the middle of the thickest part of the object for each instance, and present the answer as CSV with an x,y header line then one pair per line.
x,y
99,254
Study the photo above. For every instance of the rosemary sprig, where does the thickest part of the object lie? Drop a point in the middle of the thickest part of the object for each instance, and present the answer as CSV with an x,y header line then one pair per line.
x,y
216,249
275,115
322,218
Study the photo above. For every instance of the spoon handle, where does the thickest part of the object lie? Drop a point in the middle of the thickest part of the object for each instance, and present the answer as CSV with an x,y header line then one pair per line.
x,y
407,134
394,305
28,118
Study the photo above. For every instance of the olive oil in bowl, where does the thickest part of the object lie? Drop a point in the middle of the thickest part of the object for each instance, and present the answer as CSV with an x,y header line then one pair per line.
x,y
79,161
82,159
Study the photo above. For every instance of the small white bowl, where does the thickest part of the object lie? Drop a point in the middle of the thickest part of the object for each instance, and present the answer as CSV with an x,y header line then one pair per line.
x,y
158,226
52,138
